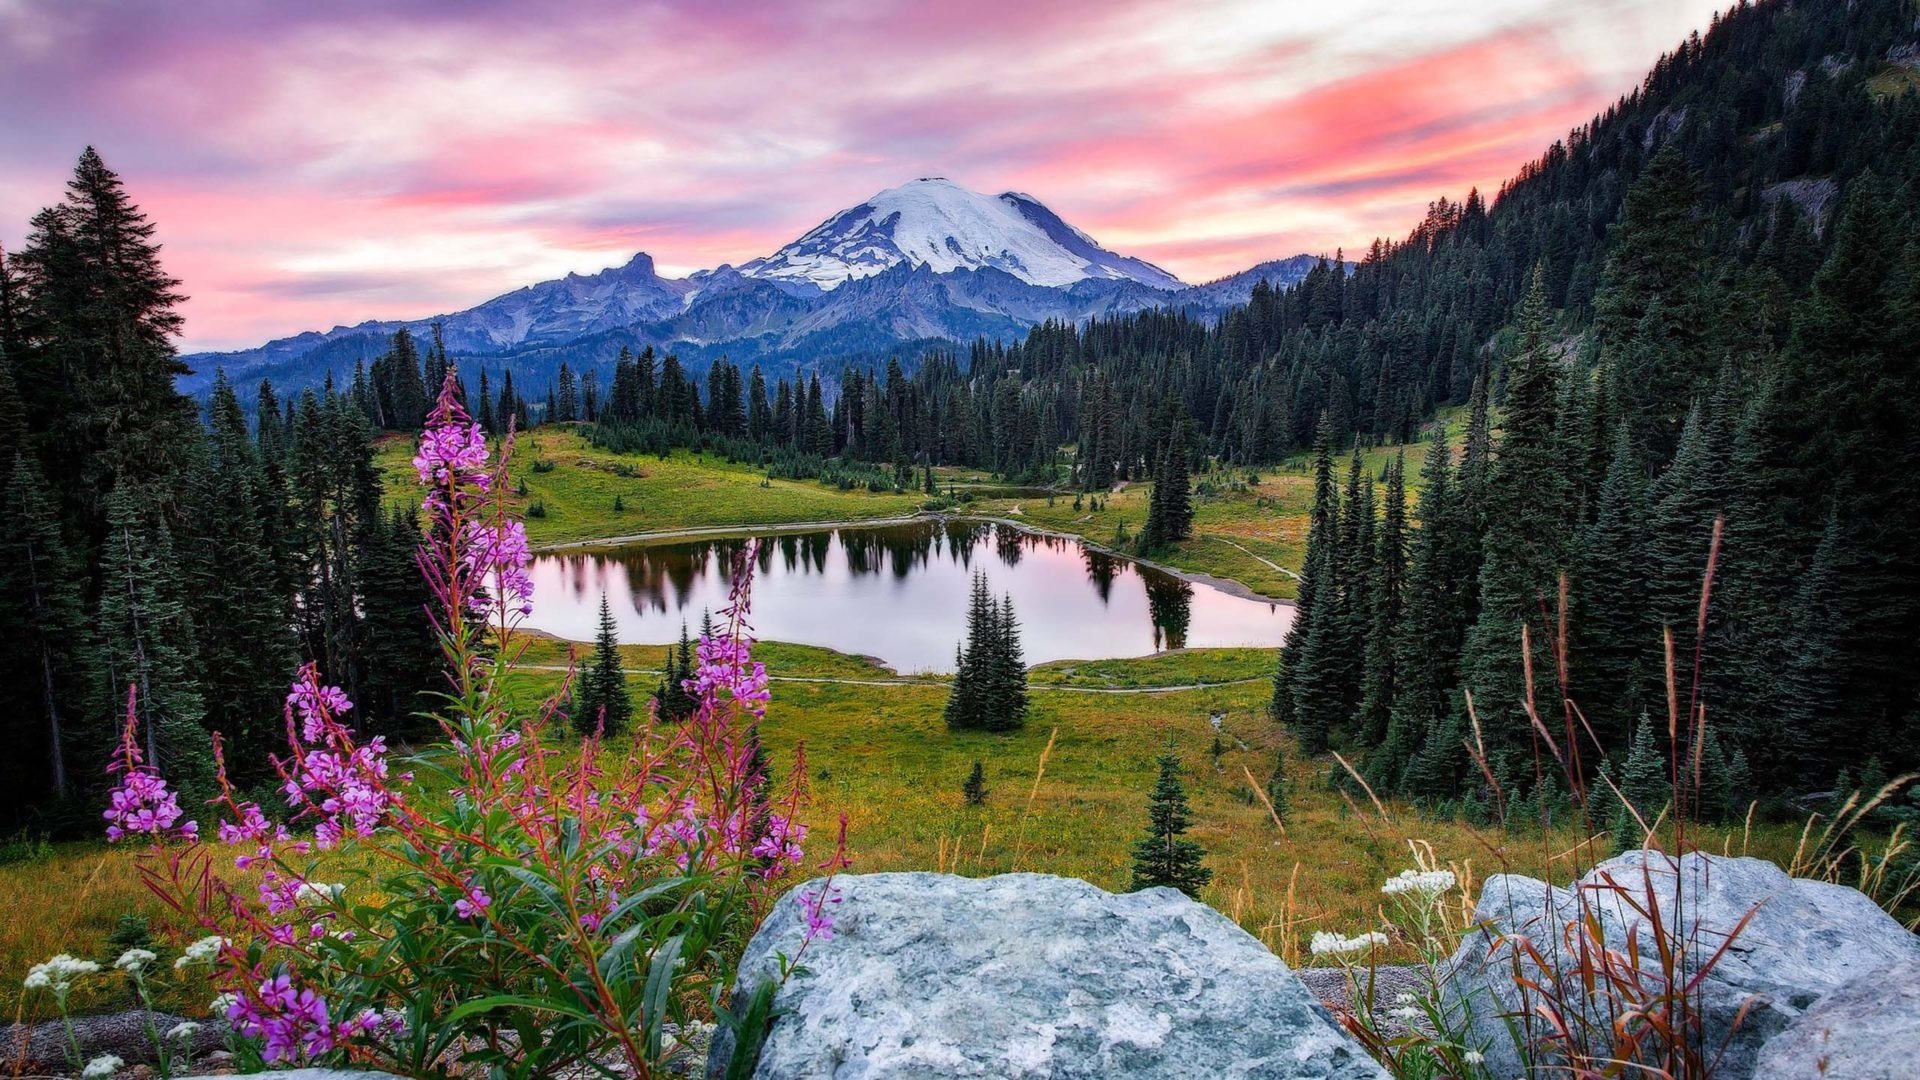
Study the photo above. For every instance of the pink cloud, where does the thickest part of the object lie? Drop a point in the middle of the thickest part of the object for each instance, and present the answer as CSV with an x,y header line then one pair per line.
x,y
318,165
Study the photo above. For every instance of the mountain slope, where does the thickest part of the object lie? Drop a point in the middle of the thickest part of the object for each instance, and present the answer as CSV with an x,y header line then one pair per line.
x,y
923,262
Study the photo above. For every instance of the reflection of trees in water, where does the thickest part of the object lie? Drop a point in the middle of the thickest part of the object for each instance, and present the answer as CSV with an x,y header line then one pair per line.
x,y
1170,606
664,578
901,549
962,538
1101,570
1009,543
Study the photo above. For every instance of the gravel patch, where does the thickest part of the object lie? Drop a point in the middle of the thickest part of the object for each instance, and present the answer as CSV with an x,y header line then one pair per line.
x,y
1389,980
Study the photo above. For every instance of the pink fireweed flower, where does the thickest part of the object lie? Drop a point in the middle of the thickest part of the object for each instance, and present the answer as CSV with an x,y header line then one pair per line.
x,y
288,1023
343,784
473,903
317,705
498,557
728,675
779,847
142,803
453,448
347,790
816,913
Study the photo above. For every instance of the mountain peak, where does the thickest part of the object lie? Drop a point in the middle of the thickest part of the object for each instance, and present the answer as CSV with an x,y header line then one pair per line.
x,y
936,223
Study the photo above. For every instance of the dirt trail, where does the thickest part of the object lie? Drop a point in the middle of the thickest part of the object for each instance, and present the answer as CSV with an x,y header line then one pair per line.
x,y
1262,560
938,681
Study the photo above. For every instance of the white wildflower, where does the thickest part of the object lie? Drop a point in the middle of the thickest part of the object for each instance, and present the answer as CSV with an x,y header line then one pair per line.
x,y
1407,1012
1327,943
1403,998
315,893
104,1065
204,951
1473,1057
1423,883
58,973
220,1004
134,960
184,1031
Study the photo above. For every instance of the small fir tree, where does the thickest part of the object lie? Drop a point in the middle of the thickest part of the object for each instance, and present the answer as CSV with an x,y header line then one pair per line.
x,y
975,788
1163,857
600,701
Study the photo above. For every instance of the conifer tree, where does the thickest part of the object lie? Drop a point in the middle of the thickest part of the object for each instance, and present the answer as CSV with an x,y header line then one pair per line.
x,y
1313,605
1163,857
235,592
1388,602
974,790
1427,645
48,699
1170,504
1614,633
97,371
989,691
147,645
401,656
1644,784
1526,526
1278,785
1009,679
601,704
673,701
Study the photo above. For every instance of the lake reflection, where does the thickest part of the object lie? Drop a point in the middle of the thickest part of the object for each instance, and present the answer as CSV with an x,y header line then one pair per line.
x,y
899,593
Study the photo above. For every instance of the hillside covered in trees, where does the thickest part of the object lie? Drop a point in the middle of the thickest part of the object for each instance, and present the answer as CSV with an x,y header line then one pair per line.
x,y
1719,305
196,559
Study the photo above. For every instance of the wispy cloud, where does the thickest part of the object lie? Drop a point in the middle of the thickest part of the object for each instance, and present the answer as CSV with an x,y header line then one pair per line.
x,y
316,164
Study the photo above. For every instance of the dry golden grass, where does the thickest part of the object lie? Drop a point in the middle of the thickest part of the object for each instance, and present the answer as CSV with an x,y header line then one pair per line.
x,y
1067,795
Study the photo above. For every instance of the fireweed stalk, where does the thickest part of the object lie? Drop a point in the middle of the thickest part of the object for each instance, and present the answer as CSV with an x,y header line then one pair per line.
x,y
506,903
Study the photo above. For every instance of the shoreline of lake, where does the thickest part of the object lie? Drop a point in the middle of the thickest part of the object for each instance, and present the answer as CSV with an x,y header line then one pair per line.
x,y
670,536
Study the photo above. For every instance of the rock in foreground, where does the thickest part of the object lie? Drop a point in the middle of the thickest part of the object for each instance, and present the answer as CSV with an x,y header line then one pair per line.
x,y
1029,975
1868,1029
1805,940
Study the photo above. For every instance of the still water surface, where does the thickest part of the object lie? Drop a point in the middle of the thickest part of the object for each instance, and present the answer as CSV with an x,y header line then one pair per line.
x,y
899,593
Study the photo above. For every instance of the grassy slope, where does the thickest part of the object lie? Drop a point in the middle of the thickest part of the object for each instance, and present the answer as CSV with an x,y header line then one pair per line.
x,y
685,491
882,756
1233,530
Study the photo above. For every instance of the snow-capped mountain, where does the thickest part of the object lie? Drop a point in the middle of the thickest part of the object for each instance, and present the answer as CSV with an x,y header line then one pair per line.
x,y
936,223
918,264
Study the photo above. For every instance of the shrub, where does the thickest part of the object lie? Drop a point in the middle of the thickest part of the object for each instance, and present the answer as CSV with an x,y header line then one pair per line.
x,y
498,904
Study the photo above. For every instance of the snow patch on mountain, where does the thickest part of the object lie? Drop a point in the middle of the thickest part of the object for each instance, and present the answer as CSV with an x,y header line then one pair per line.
x,y
937,224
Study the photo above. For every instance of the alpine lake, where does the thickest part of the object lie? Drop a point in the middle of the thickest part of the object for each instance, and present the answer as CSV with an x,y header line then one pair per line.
x,y
898,593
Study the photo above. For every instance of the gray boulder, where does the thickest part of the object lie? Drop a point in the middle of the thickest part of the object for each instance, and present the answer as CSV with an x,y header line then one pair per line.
x,y
44,1048
1868,1029
1029,975
1805,940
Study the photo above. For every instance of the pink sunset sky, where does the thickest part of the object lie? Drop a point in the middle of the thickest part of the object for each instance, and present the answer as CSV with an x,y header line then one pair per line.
x,y
314,164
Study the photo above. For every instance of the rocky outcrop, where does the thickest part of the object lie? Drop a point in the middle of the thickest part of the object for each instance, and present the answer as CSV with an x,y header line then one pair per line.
x,y
1029,975
45,1048
1802,941
1868,1029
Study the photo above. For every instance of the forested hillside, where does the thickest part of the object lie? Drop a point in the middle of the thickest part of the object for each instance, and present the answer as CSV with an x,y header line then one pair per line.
x,y
195,561
1719,286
